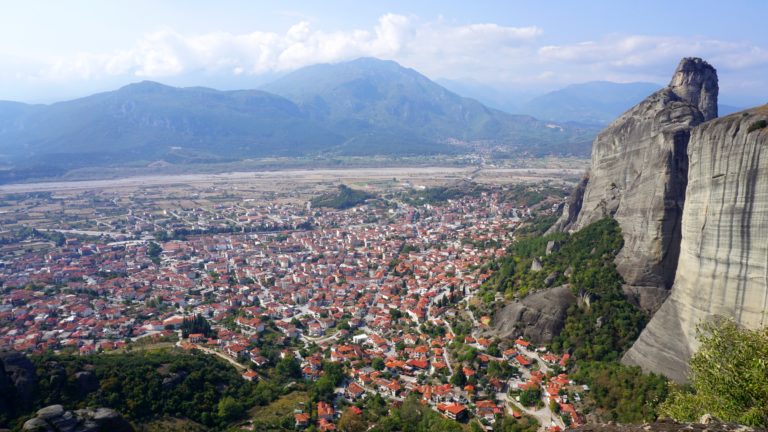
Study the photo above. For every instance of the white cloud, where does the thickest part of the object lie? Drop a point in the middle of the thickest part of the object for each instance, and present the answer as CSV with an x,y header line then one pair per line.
x,y
490,53
168,53
638,51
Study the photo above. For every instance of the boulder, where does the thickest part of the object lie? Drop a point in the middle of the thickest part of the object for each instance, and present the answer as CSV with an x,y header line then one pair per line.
x,y
18,382
538,317
55,419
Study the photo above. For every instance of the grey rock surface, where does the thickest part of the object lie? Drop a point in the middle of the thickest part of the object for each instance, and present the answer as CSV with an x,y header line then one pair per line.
x,y
536,265
50,412
639,173
666,425
723,265
538,317
571,208
647,298
55,418
695,81
18,381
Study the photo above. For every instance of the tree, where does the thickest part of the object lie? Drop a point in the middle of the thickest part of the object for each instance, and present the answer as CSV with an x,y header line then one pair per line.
x,y
230,409
323,389
377,364
196,324
459,379
351,422
288,368
530,397
729,377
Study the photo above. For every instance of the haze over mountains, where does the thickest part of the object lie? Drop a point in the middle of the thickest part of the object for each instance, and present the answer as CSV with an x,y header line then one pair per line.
x,y
359,108
592,103
362,107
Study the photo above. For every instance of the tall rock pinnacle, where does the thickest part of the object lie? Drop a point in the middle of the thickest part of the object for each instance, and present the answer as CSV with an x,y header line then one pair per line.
x,y
639,175
695,81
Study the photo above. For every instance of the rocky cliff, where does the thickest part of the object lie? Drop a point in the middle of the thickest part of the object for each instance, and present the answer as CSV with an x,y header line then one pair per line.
x,y
665,425
639,175
18,382
538,317
55,419
723,264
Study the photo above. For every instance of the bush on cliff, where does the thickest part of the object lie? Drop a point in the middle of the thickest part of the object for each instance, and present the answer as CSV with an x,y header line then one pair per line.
x,y
729,377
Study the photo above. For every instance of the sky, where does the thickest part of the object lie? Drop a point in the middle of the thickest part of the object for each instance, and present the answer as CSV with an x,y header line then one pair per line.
x,y
56,50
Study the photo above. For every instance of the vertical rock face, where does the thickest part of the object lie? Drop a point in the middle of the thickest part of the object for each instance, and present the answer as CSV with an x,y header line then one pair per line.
x,y
695,81
639,174
723,264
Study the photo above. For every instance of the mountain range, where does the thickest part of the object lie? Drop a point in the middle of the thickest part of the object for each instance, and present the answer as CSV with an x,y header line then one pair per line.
x,y
362,107
591,103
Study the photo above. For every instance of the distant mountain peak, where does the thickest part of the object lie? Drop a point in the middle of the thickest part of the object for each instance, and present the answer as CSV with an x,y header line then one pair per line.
x,y
595,102
146,86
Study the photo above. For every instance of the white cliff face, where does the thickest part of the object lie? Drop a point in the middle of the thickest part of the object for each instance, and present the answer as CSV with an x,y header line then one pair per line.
x,y
639,174
723,264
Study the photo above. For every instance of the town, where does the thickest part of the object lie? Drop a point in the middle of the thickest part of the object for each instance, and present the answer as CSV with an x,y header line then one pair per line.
x,y
385,288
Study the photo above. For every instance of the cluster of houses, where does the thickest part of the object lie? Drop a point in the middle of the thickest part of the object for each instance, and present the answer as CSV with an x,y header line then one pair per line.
x,y
356,289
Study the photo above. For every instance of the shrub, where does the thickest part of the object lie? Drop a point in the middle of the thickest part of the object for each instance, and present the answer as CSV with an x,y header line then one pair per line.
x,y
729,377
760,124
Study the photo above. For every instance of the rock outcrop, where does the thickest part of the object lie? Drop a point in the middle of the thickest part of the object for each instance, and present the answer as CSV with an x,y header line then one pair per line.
x,y
571,208
723,264
55,419
664,425
538,317
639,173
18,381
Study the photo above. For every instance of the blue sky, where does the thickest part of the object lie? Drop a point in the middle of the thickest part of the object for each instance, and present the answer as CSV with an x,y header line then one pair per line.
x,y
52,50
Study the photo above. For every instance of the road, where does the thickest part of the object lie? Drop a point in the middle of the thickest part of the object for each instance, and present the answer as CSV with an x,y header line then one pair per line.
x,y
85,232
221,355
543,415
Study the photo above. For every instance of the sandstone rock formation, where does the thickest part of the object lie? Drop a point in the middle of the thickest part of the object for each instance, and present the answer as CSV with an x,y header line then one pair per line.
x,y
571,208
639,175
723,265
18,381
55,419
540,316
664,425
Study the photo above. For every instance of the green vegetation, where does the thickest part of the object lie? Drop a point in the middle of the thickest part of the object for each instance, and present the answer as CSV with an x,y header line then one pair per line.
x,y
437,195
345,198
19,235
278,416
537,227
520,195
760,124
459,379
196,324
729,377
149,385
621,393
584,259
509,424
530,397
603,324
412,416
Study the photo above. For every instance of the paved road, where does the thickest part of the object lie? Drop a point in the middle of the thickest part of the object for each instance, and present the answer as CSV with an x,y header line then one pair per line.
x,y
223,356
543,415
86,232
